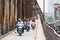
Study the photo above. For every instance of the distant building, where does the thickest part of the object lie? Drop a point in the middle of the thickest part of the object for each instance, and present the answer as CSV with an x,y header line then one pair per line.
x,y
57,11
57,16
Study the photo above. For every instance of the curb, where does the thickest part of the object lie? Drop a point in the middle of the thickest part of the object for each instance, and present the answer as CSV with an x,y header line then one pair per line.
x,y
2,36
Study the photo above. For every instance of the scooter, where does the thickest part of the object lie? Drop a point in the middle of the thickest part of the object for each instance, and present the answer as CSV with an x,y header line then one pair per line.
x,y
33,25
20,31
27,26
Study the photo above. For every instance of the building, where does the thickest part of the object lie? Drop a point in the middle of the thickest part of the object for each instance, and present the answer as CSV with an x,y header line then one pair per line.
x,y
57,16
57,11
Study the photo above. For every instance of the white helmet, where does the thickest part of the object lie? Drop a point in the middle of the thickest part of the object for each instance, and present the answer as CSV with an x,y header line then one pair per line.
x,y
19,19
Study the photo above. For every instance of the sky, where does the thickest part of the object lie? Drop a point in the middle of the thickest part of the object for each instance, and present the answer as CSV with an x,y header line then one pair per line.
x,y
49,7
40,2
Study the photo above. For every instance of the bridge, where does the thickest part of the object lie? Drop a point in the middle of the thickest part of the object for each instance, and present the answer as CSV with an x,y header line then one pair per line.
x,y
12,10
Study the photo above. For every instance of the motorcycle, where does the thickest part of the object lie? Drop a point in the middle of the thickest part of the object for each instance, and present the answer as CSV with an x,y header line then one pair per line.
x,y
33,25
20,30
27,26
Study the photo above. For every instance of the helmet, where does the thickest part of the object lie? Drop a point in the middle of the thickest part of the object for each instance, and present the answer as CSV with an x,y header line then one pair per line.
x,y
19,19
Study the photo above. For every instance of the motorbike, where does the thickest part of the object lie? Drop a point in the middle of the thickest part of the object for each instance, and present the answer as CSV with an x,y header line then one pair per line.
x,y
28,28
33,25
20,30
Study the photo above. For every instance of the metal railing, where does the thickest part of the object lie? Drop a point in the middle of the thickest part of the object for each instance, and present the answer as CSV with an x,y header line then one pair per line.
x,y
53,34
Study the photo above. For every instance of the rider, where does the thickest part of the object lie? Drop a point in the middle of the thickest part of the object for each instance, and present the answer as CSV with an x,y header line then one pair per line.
x,y
33,24
20,24
24,23
28,24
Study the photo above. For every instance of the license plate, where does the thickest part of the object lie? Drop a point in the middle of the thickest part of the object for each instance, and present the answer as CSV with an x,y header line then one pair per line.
x,y
19,27
19,31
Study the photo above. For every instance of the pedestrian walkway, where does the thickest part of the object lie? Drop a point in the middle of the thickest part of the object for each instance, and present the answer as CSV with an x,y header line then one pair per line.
x,y
36,34
39,31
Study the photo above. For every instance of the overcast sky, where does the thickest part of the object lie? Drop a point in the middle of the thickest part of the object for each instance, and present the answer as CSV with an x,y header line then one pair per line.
x,y
49,7
40,2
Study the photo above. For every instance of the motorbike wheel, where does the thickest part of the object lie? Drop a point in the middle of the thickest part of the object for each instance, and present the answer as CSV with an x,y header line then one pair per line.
x,y
20,34
28,28
33,28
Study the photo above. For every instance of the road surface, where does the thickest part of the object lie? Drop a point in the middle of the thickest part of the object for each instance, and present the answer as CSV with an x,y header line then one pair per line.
x,y
25,36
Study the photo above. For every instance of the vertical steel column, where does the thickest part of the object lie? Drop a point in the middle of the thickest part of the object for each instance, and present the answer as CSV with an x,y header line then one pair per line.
x,y
9,15
2,18
19,8
15,7
15,12
7,9
43,9
12,14
28,9
23,9
1,15
5,19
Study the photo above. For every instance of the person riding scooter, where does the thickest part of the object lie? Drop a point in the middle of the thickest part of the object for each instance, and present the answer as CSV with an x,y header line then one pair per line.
x,y
24,24
33,23
28,25
20,26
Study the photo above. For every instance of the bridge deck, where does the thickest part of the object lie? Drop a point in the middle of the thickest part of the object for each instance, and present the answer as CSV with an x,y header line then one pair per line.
x,y
37,34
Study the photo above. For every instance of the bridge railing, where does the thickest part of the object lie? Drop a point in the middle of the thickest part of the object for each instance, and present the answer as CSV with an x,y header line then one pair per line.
x,y
51,31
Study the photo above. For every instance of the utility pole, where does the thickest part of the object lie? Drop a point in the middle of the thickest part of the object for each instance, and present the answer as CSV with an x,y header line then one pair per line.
x,y
43,9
